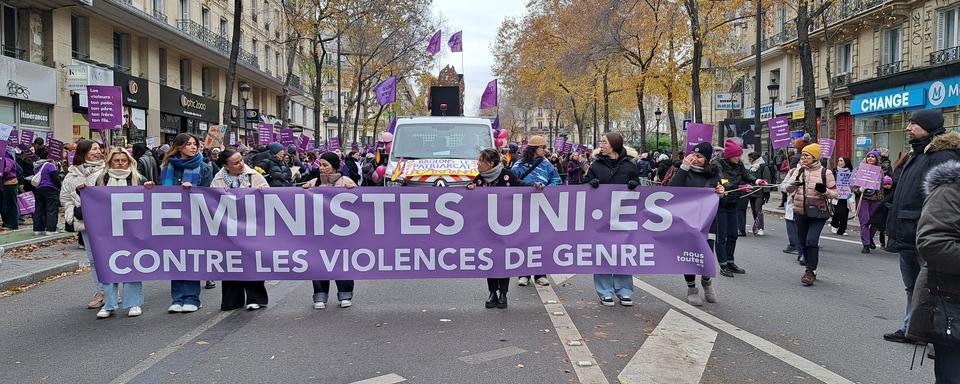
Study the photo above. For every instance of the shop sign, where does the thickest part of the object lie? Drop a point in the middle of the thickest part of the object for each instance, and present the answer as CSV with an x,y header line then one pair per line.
x,y
135,90
176,102
34,114
887,100
727,101
27,81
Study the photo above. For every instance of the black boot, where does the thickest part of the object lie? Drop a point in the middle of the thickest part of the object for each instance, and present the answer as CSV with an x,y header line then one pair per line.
x,y
502,300
866,249
491,301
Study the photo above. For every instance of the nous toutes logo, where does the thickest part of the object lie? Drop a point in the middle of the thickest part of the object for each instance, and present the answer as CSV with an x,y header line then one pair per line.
x,y
187,102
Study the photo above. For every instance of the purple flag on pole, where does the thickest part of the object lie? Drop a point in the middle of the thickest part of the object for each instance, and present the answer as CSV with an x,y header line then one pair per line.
x,y
489,98
779,132
393,124
434,45
456,42
698,133
496,123
386,91
650,230
826,148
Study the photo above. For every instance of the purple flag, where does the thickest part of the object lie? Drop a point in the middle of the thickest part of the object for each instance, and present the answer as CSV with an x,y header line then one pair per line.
x,y
779,132
698,133
826,148
489,98
105,107
264,133
386,91
496,123
456,42
434,45
393,124
151,234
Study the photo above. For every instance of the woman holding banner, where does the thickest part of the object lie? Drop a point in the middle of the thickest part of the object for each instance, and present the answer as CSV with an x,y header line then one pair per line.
x,y
494,174
614,165
696,171
813,186
329,177
869,200
841,211
235,174
121,172
535,170
87,167
736,181
183,165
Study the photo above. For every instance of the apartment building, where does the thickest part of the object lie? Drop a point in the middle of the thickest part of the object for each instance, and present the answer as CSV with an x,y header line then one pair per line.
x,y
168,56
887,58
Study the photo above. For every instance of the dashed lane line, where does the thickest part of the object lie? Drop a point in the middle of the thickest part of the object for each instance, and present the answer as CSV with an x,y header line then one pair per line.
x,y
392,378
584,363
495,354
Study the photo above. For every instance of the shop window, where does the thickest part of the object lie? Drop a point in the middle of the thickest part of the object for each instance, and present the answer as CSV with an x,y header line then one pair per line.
x,y
185,78
80,36
891,46
8,112
948,21
10,46
121,51
162,64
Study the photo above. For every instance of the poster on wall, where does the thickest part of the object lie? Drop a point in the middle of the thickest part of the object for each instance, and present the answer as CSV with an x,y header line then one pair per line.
x,y
743,131
134,119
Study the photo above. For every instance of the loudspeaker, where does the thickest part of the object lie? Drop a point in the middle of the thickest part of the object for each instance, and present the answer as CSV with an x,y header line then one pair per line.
x,y
445,95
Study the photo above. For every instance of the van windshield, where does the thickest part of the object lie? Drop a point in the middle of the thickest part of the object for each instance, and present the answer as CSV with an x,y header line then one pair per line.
x,y
440,141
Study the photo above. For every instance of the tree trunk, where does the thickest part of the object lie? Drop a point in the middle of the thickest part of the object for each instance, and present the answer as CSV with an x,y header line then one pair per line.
x,y
596,127
376,122
291,55
232,68
643,115
806,68
318,121
606,100
672,119
694,15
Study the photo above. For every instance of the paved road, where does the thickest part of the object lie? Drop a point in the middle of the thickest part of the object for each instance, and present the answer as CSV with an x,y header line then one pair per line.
x,y
768,329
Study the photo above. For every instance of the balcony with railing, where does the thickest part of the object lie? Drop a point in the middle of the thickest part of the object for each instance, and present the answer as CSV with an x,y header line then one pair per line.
x,y
247,58
159,16
890,68
14,52
841,80
208,37
945,56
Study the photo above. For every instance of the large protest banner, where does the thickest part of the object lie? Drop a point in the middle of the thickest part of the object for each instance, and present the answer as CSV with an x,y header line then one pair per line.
x,y
169,233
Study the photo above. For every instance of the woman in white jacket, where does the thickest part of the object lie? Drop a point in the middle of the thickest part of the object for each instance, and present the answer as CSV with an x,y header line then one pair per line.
x,y
86,168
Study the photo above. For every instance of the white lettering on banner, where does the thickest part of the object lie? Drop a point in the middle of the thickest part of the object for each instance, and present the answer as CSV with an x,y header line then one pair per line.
x,y
493,220
160,213
455,217
879,103
556,217
119,214
665,214
378,200
227,208
617,209
274,207
408,213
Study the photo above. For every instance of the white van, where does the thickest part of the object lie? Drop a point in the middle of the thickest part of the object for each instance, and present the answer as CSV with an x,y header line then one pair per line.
x,y
438,151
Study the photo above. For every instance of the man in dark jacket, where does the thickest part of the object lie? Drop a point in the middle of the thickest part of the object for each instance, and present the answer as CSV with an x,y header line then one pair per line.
x,y
931,146
146,162
278,173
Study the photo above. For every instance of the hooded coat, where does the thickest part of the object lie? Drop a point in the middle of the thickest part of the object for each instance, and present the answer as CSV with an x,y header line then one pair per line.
x,y
906,200
938,244
614,171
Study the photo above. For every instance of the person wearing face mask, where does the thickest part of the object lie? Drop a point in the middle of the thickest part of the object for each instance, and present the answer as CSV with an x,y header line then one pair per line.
x,y
183,165
329,164
87,166
696,171
931,146
812,186
494,174
736,181
121,172
234,173
615,164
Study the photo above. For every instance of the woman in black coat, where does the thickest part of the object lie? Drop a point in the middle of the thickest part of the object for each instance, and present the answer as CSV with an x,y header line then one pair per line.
x,y
697,172
494,174
613,166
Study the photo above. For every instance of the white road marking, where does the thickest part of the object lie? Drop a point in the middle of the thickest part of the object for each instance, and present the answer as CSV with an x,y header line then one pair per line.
x,y
500,353
385,379
794,360
840,240
676,352
579,355
560,278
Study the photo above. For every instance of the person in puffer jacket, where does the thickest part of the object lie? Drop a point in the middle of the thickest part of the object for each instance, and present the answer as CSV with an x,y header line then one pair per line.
x,y
736,181
87,166
812,187
543,172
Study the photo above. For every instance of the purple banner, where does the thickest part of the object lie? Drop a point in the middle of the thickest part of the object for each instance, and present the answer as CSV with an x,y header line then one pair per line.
x,y
826,148
105,107
698,133
168,233
779,132
868,177
55,150
286,137
264,133
334,144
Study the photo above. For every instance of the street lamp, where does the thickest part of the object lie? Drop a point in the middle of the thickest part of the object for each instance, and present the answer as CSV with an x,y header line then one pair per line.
x,y
657,113
244,89
774,91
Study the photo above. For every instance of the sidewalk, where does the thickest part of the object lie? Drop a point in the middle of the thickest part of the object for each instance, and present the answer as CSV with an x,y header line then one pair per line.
x,y
26,258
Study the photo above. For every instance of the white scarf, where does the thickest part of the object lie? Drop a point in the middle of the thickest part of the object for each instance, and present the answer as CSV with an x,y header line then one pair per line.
x,y
117,177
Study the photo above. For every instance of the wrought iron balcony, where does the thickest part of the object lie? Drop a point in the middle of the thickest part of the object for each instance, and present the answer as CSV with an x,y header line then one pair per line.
x,y
14,52
247,58
944,56
889,68
841,80
159,16
208,37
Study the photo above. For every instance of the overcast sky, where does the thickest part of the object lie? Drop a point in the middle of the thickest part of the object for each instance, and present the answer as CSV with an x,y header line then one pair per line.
x,y
479,22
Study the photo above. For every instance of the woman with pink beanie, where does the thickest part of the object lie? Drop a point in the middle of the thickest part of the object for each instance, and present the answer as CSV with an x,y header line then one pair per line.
x,y
736,181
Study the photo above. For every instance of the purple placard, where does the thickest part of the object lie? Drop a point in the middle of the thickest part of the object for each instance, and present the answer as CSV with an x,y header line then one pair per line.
x,y
868,177
311,145
844,178
251,142
265,133
70,156
355,146
286,136
826,148
49,137
26,137
567,148
558,142
105,107
55,150
303,141
779,132
334,143
698,133
14,138
650,230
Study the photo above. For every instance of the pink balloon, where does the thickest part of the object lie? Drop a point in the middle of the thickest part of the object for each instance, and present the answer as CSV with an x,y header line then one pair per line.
x,y
381,170
388,147
386,137
501,142
503,134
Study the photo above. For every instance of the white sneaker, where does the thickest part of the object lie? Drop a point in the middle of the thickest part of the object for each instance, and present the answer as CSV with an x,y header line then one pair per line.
x,y
81,246
103,314
524,281
37,233
346,304
759,232
543,281
190,308
176,308
319,305
51,233
253,307
833,229
134,312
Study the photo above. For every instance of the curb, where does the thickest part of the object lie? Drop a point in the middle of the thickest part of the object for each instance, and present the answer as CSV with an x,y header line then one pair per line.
x,y
35,240
38,276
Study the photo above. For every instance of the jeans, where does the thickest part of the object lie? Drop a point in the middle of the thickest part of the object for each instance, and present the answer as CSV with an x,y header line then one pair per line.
x,y
607,285
946,366
185,292
866,211
132,295
8,206
742,205
321,289
792,235
808,237
84,239
47,210
726,233
909,270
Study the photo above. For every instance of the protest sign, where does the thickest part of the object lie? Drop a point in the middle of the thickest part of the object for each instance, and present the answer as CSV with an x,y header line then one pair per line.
x,y
779,132
264,133
844,178
168,233
55,151
105,107
868,177
215,136
826,148
698,133
286,137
